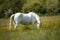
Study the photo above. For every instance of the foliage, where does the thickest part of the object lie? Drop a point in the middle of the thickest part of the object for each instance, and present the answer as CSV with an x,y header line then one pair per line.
x,y
43,7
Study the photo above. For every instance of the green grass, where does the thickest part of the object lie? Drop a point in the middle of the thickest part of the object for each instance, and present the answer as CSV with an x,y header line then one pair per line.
x,y
50,30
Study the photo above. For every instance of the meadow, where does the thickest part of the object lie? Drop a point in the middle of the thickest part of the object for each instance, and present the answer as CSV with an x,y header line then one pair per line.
x,y
50,30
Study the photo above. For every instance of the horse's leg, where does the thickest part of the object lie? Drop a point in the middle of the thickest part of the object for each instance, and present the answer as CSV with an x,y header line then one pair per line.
x,y
16,24
32,24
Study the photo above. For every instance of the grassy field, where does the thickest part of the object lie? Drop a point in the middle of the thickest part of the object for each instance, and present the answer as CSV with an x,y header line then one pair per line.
x,y
50,30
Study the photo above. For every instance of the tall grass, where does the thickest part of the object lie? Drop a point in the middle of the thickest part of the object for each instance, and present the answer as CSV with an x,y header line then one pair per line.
x,y
50,30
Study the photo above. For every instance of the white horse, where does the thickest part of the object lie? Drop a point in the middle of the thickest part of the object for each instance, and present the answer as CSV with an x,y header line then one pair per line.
x,y
29,18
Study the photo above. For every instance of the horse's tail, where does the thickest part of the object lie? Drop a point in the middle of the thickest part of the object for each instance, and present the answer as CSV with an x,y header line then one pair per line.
x,y
11,20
